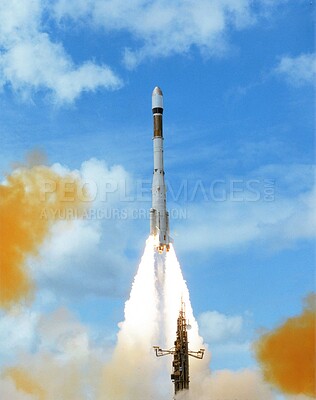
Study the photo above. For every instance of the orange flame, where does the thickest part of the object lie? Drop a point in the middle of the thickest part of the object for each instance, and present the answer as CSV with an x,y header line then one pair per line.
x,y
23,226
287,354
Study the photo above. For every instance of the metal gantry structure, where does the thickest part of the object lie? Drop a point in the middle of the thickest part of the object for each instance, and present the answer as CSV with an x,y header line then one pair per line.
x,y
180,375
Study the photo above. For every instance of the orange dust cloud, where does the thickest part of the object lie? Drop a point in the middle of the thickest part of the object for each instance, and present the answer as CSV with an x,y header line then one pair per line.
x,y
24,382
33,158
287,354
25,197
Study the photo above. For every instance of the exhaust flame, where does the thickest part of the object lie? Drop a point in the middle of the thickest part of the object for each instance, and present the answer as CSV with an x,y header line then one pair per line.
x,y
287,354
22,229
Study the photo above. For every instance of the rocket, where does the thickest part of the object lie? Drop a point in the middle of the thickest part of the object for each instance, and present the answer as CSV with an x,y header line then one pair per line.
x,y
159,216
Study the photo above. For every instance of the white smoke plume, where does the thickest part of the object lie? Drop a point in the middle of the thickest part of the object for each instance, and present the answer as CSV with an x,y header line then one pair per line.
x,y
150,319
175,291
67,365
130,373
228,385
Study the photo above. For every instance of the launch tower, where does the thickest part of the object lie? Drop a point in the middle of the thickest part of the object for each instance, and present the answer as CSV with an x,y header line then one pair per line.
x,y
181,353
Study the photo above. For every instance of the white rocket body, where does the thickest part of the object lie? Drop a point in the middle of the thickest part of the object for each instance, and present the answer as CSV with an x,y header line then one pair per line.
x,y
159,217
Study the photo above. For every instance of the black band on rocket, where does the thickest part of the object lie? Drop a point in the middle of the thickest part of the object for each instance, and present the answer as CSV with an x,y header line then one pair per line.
x,y
158,110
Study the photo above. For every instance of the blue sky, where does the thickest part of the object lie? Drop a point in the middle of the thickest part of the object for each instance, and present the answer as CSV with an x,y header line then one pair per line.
x,y
76,79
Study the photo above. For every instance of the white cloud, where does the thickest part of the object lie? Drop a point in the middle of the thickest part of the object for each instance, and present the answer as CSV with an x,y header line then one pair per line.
x,y
62,334
8,390
298,70
225,337
225,384
276,223
22,330
163,27
92,262
31,61
65,362
232,348
17,331
106,184
216,327
58,332
291,179
89,256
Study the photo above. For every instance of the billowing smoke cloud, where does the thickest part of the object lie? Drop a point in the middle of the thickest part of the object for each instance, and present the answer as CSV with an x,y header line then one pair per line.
x,y
45,376
287,354
62,364
229,385
8,390
150,319
61,361
24,382
130,374
24,195
221,385
65,362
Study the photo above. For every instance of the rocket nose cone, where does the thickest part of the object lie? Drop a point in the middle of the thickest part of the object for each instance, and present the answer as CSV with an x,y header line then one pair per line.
x,y
158,91
157,98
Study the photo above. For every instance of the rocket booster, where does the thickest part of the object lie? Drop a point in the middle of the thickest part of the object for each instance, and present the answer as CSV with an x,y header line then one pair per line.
x,y
159,217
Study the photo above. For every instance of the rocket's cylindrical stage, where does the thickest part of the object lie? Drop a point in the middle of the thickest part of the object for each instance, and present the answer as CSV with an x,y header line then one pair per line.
x,y
159,217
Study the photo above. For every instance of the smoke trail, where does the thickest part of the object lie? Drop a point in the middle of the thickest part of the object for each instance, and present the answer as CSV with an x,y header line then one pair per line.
x,y
23,228
287,354
175,290
130,374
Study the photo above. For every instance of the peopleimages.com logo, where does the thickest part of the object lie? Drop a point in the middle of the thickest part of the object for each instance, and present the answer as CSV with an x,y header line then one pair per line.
x,y
185,191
